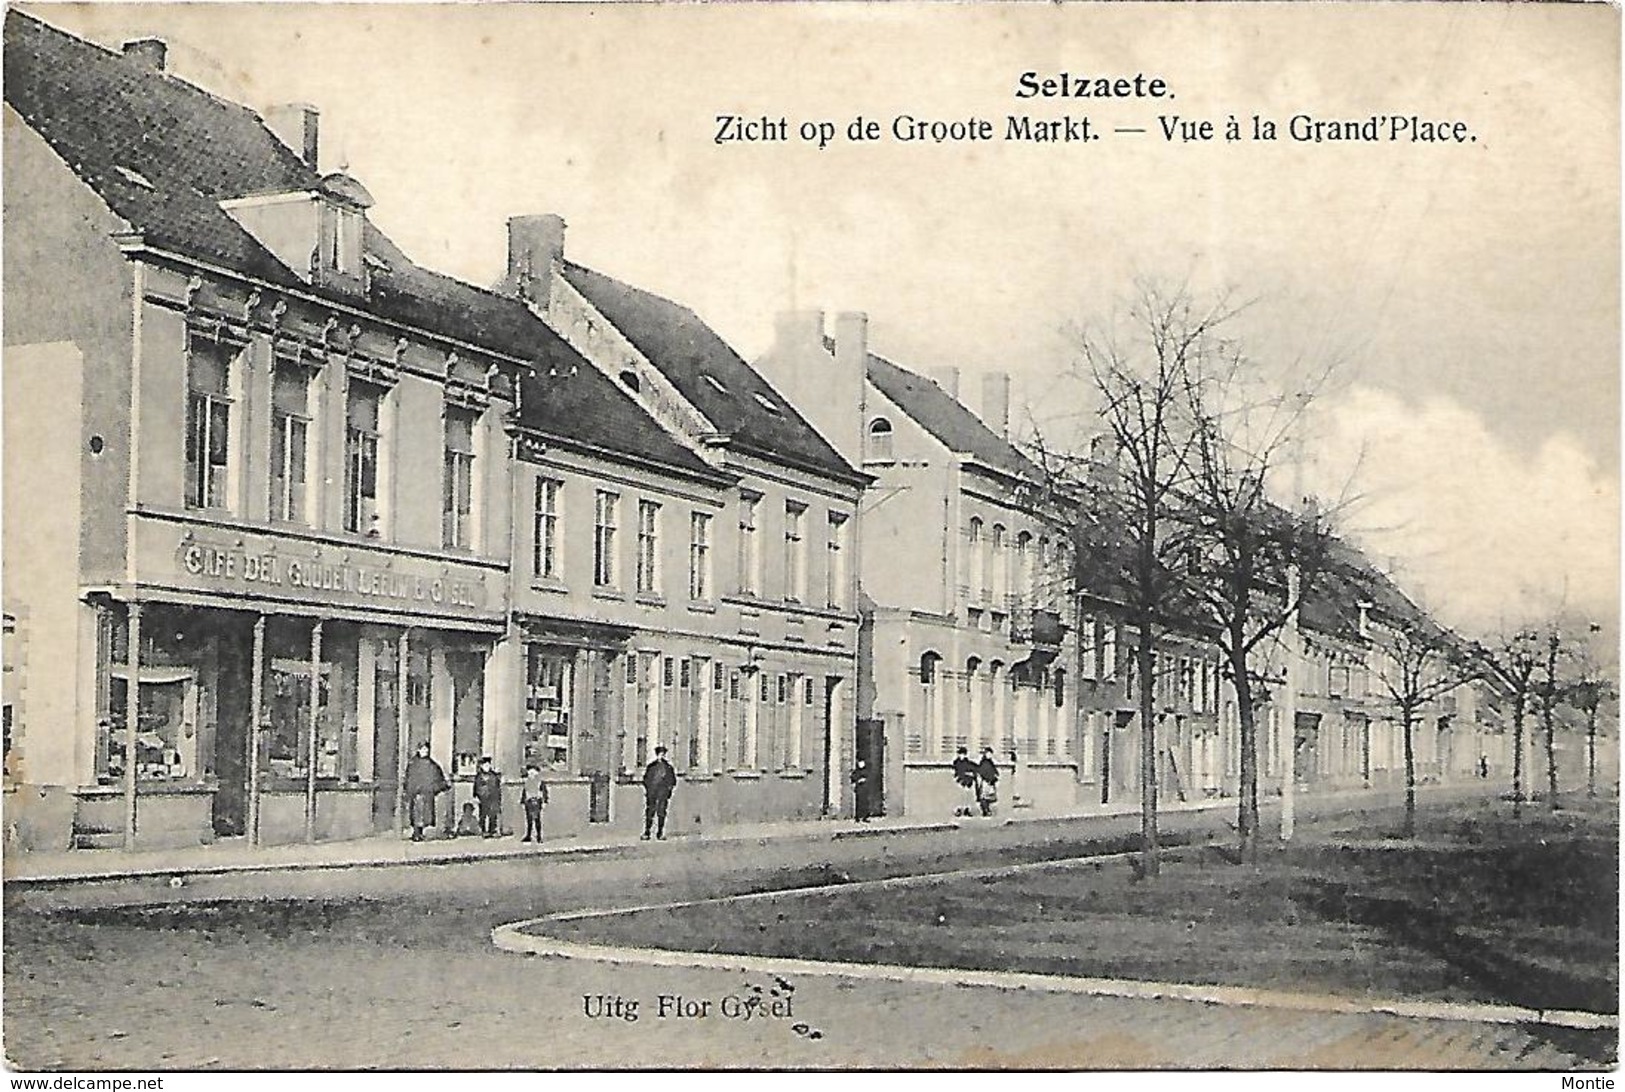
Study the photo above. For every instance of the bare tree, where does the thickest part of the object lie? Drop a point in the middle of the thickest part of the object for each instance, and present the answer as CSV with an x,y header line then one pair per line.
x,y
1512,662
1589,691
1417,663
1143,379
1252,562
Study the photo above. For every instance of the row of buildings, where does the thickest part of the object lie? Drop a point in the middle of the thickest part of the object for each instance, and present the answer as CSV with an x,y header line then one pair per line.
x,y
282,505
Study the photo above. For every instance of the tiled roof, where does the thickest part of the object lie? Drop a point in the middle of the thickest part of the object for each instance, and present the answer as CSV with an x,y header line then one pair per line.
x,y
711,375
119,124
940,414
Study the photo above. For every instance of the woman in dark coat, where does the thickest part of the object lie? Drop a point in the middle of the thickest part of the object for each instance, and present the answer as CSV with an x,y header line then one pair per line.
x,y
425,780
987,782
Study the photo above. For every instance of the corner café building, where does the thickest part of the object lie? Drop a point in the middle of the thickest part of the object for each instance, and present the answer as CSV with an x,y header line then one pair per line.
x,y
278,684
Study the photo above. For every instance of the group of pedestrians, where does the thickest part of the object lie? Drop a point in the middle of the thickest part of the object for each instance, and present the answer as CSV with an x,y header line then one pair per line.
x,y
425,780
980,778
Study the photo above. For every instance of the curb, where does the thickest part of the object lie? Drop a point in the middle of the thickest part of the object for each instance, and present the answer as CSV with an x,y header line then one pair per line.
x,y
158,871
512,938
450,857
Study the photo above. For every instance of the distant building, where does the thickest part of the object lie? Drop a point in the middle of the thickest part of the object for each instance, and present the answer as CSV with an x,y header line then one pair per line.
x,y
969,636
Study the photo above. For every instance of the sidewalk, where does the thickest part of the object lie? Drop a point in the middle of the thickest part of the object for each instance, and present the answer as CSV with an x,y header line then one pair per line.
x,y
386,850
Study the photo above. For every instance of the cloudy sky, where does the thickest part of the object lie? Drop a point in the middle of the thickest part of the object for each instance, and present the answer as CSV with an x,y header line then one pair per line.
x,y
1469,293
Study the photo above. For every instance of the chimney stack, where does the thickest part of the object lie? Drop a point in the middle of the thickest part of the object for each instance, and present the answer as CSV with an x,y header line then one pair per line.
x,y
297,124
996,403
852,342
946,378
148,52
535,243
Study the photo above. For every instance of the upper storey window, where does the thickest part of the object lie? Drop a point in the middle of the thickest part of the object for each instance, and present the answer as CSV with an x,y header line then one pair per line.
x,y
880,440
208,424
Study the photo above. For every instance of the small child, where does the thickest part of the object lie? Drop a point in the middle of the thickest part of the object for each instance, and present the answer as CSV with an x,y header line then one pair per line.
x,y
469,823
534,796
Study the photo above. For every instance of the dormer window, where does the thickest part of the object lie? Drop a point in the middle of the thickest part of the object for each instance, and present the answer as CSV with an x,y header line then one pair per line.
x,y
341,242
340,249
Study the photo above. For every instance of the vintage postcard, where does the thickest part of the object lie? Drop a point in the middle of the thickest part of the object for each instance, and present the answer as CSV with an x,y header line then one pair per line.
x,y
811,537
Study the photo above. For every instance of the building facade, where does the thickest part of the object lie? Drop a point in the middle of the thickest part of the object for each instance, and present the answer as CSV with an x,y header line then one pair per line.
x,y
968,638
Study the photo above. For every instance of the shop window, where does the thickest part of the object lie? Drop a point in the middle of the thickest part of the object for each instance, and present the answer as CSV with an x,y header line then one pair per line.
x,y
457,509
289,700
166,733
548,690
208,424
290,447
648,572
361,442
467,672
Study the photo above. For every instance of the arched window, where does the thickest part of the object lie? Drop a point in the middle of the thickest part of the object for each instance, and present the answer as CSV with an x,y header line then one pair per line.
x,y
1024,569
1060,687
880,439
978,561
972,665
1001,583
928,667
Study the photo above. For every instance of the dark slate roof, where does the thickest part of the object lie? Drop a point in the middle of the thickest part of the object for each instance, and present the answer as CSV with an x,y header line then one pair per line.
x,y
695,359
1348,578
940,414
101,112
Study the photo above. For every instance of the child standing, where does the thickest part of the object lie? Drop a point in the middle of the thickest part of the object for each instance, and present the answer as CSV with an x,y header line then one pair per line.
x,y
533,796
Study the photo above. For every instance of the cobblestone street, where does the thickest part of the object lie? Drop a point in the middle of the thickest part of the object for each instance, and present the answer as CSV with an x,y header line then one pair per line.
x,y
397,970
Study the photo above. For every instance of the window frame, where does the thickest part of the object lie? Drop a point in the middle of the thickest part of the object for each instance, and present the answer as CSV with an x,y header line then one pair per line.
x,y
545,557
646,578
606,522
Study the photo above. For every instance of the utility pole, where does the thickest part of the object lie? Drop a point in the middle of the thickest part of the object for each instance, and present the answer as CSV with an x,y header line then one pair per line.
x,y
1288,741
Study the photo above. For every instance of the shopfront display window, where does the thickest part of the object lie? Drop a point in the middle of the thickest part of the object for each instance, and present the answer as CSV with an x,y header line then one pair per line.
x,y
289,697
549,675
166,732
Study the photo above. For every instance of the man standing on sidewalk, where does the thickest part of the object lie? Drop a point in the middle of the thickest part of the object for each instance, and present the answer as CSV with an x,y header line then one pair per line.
x,y
659,779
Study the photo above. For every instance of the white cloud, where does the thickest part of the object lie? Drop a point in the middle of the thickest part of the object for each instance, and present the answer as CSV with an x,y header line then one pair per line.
x,y
1485,532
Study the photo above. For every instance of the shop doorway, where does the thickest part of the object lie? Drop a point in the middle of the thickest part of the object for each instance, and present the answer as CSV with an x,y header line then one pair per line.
x,y
233,711
870,800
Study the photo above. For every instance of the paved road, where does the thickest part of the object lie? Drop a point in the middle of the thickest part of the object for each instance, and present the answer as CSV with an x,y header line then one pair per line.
x,y
393,968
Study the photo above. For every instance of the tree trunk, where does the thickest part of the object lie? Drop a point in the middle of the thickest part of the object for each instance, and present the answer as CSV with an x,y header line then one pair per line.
x,y
1247,791
1148,755
1410,776
1591,751
1551,750
1517,757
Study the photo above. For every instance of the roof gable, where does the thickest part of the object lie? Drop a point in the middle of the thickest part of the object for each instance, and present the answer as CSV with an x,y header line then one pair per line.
x,y
710,375
940,414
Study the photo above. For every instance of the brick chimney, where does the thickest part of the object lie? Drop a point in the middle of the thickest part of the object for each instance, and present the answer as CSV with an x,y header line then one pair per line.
x,y
946,378
996,402
535,243
298,125
148,52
